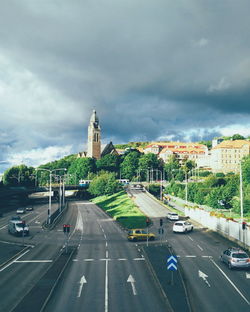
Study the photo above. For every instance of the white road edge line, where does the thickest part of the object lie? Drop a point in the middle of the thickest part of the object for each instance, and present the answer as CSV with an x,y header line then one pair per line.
x,y
32,261
7,265
239,292
106,287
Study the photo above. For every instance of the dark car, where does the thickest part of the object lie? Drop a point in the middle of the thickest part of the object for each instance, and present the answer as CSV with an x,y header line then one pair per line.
x,y
15,218
30,208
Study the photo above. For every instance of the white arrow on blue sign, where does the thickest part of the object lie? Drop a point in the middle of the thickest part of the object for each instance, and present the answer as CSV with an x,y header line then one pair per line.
x,y
172,263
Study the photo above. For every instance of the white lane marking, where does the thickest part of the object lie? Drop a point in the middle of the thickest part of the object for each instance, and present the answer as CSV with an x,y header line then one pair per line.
x,y
105,236
139,259
107,254
79,222
190,256
3,227
190,238
122,259
7,265
88,259
33,261
200,247
132,281
106,287
204,277
106,244
82,281
247,275
239,292
207,257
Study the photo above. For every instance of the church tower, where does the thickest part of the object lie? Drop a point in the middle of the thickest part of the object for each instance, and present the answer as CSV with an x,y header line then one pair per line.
x,y
94,137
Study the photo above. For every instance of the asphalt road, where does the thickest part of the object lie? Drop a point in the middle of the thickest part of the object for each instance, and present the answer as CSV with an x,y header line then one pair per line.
x,y
211,285
108,274
29,258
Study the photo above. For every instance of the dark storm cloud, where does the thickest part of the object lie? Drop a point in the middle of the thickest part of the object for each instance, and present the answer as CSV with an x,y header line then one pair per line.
x,y
151,69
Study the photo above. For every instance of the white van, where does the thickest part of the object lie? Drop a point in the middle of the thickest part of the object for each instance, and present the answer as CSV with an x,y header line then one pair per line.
x,y
18,227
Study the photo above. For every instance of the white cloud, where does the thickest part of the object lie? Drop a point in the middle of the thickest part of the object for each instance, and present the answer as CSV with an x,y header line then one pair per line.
x,y
221,85
36,157
235,129
201,42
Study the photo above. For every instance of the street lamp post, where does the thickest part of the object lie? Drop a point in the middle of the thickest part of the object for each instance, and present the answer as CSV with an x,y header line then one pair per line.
x,y
161,188
50,188
241,195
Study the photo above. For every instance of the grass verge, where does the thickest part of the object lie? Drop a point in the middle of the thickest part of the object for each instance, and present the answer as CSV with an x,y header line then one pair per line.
x,y
122,208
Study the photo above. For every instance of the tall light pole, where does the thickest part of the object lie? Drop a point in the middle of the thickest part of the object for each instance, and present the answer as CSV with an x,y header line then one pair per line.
x,y
50,188
157,170
241,195
186,187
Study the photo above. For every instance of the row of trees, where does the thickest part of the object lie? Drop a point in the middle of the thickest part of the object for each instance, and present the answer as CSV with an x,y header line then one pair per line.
x,y
217,191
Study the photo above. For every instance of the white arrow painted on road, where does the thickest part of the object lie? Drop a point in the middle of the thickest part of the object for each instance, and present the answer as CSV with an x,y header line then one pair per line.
x,y
204,277
247,275
132,281
82,281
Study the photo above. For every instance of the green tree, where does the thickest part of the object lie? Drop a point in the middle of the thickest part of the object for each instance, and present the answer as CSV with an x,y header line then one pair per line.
x,y
104,184
81,168
237,137
109,162
129,166
19,176
172,167
246,170
147,162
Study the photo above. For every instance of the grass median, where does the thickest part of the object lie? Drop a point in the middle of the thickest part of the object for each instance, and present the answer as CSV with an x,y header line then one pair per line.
x,y
122,209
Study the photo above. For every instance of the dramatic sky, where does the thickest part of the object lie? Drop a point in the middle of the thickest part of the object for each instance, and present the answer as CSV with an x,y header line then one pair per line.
x,y
153,70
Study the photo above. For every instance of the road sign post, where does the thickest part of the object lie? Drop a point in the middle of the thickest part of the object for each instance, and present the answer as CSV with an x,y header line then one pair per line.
x,y
66,230
172,266
23,226
147,222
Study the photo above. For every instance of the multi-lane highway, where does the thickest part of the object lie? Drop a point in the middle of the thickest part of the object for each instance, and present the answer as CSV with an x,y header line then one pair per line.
x,y
108,273
211,285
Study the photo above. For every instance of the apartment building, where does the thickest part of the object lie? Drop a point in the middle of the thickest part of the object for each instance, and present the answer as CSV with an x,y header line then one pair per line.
x,y
226,156
192,151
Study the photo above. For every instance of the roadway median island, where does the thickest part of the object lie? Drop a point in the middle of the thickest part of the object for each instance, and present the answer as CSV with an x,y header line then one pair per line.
x,y
37,298
121,208
171,282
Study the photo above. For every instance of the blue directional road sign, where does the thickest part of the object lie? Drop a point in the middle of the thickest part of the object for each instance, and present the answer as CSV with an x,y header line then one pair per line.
x,y
172,263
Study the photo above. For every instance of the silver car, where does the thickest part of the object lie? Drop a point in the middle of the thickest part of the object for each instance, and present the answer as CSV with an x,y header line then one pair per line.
x,y
235,258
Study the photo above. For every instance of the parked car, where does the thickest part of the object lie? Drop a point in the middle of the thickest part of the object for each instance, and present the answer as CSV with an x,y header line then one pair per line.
x,y
18,227
235,258
172,216
140,234
182,227
20,211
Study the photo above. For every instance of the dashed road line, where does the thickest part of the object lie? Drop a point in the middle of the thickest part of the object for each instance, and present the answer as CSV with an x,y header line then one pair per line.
x,y
200,247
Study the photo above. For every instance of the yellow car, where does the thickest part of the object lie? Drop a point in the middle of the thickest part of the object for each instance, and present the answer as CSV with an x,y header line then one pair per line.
x,y
140,234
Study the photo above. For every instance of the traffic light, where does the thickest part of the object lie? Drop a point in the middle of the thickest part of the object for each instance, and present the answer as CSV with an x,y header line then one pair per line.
x,y
244,225
161,222
147,221
66,228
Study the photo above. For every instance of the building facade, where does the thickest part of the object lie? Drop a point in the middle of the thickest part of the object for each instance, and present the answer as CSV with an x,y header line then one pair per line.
x,y
226,156
191,151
